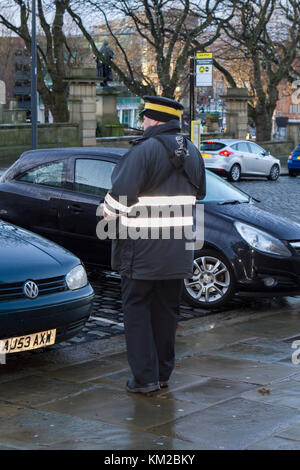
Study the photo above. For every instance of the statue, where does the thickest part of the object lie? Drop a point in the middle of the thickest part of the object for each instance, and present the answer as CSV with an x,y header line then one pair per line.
x,y
104,68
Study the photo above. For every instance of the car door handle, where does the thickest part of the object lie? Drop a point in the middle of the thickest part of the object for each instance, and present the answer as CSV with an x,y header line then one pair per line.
x,y
75,208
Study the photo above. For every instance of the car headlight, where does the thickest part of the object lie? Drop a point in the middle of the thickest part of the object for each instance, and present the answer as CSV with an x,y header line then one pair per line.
x,y
77,278
261,241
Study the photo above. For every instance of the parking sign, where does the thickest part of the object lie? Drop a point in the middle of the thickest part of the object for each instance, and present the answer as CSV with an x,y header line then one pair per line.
x,y
204,69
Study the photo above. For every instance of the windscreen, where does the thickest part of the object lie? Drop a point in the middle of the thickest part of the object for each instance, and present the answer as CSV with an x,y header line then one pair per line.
x,y
218,190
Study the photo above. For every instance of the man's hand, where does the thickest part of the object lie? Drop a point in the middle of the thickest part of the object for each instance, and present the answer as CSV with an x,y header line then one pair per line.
x,y
109,217
101,212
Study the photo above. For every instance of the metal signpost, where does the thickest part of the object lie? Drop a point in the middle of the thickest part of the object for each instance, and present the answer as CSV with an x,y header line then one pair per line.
x,y
201,75
192,92
33,80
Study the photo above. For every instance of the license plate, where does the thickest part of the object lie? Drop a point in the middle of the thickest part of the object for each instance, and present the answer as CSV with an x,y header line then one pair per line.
x,y
206,155
298,158
25,343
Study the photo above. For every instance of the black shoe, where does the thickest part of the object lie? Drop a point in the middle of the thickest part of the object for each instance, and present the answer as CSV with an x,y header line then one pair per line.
x,y
163,384
133,387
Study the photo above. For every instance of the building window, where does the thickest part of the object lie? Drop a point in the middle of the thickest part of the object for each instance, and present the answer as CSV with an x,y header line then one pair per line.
x,y
295,108
126,117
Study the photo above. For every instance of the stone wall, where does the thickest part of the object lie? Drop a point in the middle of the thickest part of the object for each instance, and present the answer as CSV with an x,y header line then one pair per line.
x,y
16,139
278,148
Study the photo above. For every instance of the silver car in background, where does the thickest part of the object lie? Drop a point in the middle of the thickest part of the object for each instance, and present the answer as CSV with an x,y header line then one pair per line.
x,y
235,158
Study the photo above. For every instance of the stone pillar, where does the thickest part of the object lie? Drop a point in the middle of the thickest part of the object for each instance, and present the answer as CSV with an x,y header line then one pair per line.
x,y
106,113
82,98
293,131
237,112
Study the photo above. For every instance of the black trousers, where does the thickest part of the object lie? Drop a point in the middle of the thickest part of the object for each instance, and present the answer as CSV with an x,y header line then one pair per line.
x,y
150,318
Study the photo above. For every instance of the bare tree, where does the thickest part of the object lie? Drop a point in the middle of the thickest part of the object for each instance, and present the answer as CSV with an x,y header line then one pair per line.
x,y
159,24
51,50
260,51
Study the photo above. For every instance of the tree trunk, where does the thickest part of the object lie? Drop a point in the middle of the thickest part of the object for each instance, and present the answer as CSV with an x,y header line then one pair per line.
x,y
59,107
262,116
263,125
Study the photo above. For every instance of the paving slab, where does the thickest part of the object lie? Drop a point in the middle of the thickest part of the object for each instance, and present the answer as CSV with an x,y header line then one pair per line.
x,y
257,349
292,432
208,340
85,371
34,390
286,393
279,326
126,440
127,410
6,409
234,424
275,443
33,429
235,369
207,391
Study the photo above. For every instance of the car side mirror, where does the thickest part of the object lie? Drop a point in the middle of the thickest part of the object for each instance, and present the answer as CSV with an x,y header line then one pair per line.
x,y
265,153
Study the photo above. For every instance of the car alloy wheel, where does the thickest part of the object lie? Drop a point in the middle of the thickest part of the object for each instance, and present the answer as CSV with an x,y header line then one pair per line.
x,y
212,283
274,173
234,173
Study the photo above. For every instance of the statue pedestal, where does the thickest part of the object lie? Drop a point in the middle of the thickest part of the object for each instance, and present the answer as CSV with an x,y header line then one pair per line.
x,y
83,103
106,111
237,112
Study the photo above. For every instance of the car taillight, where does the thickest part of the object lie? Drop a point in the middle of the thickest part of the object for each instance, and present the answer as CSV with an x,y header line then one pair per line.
x,y
225,153
290,156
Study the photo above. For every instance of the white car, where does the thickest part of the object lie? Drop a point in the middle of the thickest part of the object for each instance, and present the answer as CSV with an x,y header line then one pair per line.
x,y
235,158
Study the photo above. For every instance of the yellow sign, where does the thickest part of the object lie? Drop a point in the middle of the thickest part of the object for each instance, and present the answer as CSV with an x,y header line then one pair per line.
x,y
196,133
203,55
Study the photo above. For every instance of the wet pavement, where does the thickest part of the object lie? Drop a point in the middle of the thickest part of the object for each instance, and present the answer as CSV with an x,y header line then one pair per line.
x,y
234,386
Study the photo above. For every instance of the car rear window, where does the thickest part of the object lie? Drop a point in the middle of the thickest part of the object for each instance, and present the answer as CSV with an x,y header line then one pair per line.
x,y
297,149
212,146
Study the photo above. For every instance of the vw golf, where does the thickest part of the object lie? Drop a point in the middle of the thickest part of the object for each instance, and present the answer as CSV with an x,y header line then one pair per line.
x,y
45,296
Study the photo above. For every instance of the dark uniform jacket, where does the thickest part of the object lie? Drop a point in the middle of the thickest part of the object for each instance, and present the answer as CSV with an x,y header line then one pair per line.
x,y
155,174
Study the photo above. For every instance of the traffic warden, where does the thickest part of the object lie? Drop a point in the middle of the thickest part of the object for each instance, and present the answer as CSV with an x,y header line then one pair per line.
x,y
164,173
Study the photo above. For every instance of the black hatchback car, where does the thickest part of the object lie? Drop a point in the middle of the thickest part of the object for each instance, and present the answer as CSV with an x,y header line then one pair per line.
x,y
247,251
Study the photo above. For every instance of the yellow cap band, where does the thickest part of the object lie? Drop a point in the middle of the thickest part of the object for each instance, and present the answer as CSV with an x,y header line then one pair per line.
x,y
163,109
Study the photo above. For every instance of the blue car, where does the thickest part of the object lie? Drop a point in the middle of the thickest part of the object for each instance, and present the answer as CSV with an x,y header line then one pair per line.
x,y
294,162
45,296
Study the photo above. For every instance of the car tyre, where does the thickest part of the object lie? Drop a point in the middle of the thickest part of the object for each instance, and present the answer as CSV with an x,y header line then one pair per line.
x,y
274,173
234,173
212,284
292,173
